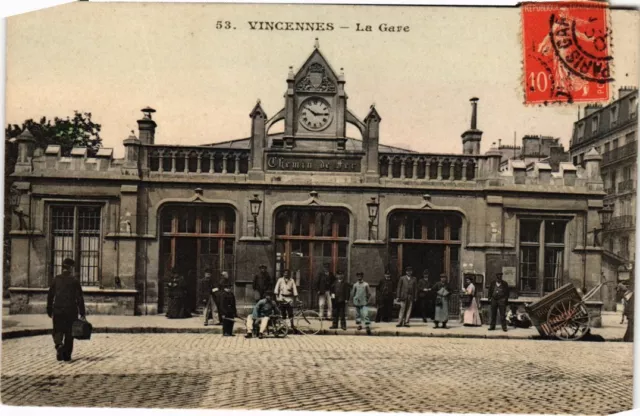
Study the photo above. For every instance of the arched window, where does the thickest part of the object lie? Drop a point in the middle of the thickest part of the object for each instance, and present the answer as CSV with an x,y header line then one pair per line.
x,y
306,239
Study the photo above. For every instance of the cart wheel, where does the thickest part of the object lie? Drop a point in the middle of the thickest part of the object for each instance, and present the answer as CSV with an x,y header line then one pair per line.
x,y
568,320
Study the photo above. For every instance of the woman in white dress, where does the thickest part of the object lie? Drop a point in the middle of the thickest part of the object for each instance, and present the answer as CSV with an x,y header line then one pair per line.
x,y
471,311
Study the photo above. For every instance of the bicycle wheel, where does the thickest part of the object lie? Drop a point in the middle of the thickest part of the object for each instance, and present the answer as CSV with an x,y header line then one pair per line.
x,y
280,329
309,322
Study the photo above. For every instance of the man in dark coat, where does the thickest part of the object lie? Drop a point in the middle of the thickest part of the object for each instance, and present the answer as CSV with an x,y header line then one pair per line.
x,y
498,298
406,295
262,282
340,292
64,303
323,287
227,309
177,288
423,296
384,298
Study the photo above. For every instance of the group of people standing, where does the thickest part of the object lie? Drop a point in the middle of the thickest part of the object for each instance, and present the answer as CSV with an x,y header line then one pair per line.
x,y
334,293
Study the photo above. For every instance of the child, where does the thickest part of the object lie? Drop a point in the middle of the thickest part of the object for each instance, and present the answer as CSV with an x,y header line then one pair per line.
x,y
227,310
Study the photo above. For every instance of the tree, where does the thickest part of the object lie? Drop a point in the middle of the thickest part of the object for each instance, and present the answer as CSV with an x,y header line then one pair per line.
x,y
79,131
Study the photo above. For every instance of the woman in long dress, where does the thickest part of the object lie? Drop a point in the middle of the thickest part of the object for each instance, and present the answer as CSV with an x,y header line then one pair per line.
x,y
471,312
443,291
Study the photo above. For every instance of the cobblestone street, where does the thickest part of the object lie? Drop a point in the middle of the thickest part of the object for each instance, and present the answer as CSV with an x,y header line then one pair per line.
x,y
322,373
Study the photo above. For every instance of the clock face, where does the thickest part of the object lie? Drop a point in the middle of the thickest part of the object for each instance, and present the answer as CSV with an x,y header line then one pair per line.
x,y
315,114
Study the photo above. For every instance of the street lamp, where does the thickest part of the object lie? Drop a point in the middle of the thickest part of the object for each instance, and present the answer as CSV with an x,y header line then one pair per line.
x,y
605,217
372,208
254,205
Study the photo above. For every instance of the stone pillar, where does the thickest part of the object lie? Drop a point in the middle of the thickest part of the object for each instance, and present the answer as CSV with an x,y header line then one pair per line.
x,y
147,127
592,161
371,143
132,155
26,144
341,107
257,142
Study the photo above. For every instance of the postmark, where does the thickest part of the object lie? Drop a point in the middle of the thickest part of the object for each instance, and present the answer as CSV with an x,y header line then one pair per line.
x,y
567,53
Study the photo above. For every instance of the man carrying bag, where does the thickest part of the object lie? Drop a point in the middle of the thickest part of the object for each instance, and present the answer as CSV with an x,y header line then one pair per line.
x,y
64,303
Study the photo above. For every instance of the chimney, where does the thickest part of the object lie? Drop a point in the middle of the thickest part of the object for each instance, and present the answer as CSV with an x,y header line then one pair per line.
x,y
626,90
474,113
147,127
472,137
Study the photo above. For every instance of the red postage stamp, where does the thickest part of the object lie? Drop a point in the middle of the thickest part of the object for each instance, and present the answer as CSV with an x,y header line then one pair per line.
x,y
567,56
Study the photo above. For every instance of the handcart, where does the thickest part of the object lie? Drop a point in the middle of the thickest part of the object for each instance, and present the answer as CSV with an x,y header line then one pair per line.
x,y
563,313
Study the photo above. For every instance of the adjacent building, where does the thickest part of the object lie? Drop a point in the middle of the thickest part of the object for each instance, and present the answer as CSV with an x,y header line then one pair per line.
x,y
612,131
534,148
296,200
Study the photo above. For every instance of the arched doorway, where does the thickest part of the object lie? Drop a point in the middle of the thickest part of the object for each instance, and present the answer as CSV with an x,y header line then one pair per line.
x,y
195,238
308,238
426,240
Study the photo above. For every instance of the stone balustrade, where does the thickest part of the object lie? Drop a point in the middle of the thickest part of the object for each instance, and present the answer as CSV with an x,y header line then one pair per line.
x,y
428,167
199,160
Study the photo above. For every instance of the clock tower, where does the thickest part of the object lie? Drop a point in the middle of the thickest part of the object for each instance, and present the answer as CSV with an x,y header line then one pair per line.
x,y
315,106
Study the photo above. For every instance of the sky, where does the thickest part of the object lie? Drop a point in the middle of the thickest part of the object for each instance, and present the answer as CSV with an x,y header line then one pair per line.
x,y
113,59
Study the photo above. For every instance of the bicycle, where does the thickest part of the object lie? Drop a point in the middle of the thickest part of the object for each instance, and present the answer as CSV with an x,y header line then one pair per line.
x,y
277,326
307,321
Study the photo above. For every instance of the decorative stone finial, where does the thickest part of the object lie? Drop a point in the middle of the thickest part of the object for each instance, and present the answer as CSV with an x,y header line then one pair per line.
x,y
316,45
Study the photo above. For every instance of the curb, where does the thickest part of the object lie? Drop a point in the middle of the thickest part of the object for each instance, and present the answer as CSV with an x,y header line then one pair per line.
x,y
22,333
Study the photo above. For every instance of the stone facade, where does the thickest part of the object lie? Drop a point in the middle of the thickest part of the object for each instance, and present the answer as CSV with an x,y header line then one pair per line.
x,y
166,206
612,131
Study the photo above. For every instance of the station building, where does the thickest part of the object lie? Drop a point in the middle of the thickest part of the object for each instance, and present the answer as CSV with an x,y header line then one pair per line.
x,y
296,200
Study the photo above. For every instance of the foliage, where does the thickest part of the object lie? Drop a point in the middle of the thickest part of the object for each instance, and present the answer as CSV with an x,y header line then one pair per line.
x,y
79,131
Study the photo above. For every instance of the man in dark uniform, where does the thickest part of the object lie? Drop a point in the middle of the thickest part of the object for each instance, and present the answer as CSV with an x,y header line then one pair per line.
x,y
498,298
262,282
228,310
64,303
340,291
323,287
384,298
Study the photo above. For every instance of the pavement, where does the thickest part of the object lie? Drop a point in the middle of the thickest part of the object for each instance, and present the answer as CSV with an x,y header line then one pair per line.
x,y
338,373
29,325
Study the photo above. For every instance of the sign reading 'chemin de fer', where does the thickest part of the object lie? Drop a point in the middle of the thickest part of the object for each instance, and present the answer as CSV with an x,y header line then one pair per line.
x,y
293,163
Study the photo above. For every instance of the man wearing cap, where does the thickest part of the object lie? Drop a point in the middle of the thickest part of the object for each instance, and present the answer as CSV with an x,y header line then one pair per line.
x,y
262,282
64,303
384,298
498,297
227,308
406,295
360,294
286,292
323,286
262,312
340,292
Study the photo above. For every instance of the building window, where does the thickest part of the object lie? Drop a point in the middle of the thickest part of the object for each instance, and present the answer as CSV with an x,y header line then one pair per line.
x,y
594,124
614,144
624,247
75,233
607,147
541,254
614,115
630,137
633,106
580,131
575,160
425,241
306,239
